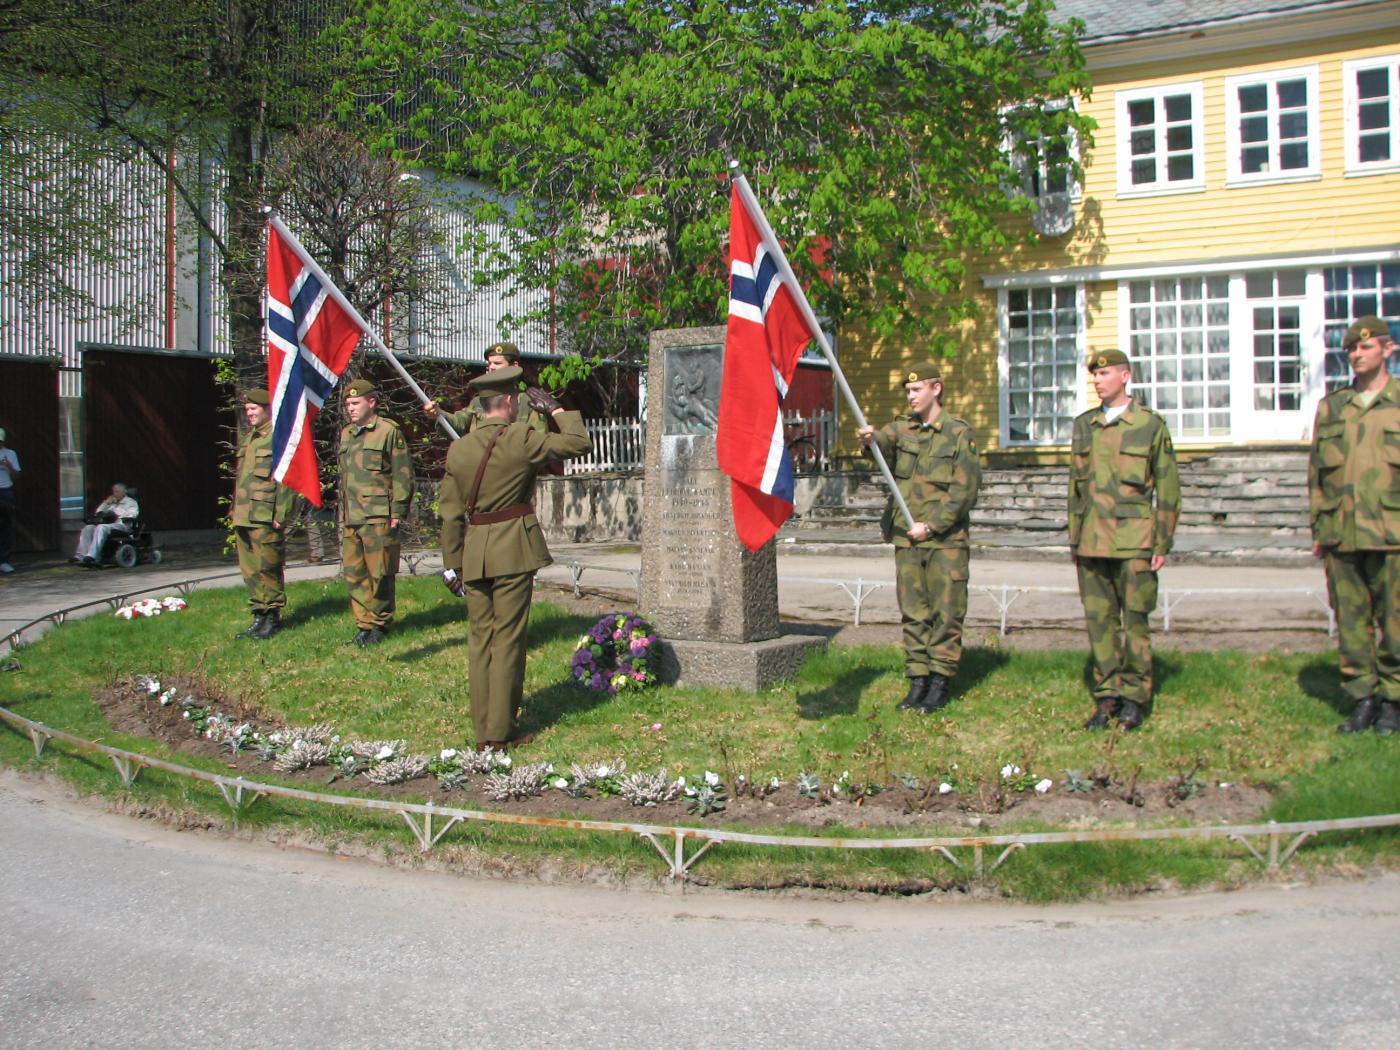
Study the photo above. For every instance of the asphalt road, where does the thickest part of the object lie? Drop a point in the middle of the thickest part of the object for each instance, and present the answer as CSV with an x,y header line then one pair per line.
x,y
124,933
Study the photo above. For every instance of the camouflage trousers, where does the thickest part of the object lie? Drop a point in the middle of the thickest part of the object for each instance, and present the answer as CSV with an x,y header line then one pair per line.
x,y
1364,588
498,612
1119,595
262,554
932,588
369,561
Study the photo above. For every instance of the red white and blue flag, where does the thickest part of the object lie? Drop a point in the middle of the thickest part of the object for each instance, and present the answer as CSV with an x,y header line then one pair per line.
x,y
310,338
767,334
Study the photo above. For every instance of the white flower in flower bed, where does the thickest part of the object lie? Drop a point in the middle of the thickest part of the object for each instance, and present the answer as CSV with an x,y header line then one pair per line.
x,y
945,788
650,789
1043,786
1008,771
397,770
520,782
148,607
319,733
376,750
602,776
303,754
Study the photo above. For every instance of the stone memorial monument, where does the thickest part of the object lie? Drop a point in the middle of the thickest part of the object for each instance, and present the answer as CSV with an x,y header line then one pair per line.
x,y
714,604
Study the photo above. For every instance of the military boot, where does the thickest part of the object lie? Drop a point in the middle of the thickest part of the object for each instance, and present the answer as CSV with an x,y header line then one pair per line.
x,y
271,624
937,694
255,626
1389,719
918,686
1363,715
1108,707
1130,714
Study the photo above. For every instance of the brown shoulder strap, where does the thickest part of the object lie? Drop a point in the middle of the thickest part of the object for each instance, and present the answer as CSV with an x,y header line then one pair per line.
x,y
481,470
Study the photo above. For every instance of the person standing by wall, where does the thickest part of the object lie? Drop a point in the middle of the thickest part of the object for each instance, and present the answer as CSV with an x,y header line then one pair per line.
x,y
934,461
9,471
493,561
262,510
1354,499
1124,501
376,487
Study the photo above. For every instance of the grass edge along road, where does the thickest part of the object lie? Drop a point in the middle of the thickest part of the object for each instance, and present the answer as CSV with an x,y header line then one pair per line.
x,y
1259,720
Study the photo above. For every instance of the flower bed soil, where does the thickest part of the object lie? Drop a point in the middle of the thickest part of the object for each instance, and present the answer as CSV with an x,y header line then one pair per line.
x,y
130,709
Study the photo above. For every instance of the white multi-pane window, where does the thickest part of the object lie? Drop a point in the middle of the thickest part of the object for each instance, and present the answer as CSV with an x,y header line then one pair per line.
x,y
1349,292
1276,303
1045,165
1272,126
1179,343
1041,363
1160,140
1372,91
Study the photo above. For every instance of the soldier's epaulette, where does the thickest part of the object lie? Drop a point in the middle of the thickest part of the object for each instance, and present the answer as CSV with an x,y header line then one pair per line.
x,y
964,424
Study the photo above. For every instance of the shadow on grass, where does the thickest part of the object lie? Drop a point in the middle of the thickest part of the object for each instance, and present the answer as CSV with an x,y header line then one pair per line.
x,y
840,697
1320,680
325,606
544,707
976,666
1165,667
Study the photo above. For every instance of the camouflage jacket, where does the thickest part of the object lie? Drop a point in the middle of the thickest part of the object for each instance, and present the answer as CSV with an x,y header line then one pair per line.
x,y
1354,471
516,545
1118,471
469,418
376,473
257,499
937,470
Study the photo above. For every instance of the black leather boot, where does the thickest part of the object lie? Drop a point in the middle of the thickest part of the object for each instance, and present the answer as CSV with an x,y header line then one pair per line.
x,y
937,695
1388,721
255,627
271,624
1363,715
1130,714
918,686
1107,708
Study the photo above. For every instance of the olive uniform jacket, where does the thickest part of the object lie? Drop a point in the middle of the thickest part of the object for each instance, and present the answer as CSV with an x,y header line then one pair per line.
x,y
257,498
1124,493
1354,471
516,544
937,471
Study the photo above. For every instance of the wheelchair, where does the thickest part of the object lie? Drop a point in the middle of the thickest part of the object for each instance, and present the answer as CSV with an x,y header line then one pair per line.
x,y
129,545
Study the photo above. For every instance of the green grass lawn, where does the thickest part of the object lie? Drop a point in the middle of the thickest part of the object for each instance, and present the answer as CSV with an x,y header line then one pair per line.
x,y
1259,720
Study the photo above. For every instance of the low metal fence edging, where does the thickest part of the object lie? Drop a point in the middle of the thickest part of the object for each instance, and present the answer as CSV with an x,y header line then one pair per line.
x,y
234,789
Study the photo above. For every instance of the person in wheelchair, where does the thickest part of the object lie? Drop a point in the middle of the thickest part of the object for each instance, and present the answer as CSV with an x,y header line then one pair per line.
x,y
115,514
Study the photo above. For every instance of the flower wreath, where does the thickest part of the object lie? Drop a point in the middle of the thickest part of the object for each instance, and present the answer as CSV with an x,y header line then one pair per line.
x,y
615,654
148,607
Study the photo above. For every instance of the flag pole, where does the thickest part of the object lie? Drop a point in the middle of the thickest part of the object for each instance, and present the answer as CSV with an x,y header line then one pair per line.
x,y
335,293
784,268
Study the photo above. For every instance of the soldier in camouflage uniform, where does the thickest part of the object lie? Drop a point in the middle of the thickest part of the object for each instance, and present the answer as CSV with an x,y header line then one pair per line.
x,y
934,461
1354,493
376,486
262,509
493,564
1124,500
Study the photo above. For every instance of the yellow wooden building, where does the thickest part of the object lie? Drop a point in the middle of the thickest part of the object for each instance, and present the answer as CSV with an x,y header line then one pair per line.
x,y
1239,206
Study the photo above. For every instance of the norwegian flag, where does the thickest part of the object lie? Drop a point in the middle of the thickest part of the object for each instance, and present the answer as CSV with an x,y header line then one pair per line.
x,y
311,334
767,334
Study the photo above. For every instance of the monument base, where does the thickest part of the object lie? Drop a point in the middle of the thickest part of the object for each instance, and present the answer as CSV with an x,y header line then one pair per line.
x,y
750,666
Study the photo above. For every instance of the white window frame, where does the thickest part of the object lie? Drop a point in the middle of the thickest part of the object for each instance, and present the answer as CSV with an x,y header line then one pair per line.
x,y
1354,164
1162,186
1236,176
1004,364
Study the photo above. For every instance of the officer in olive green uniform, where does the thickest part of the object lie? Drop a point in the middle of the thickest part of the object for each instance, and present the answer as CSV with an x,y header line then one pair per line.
x,y
376,486
1354,492
262,509
494,565
934,461
1124,500
498,356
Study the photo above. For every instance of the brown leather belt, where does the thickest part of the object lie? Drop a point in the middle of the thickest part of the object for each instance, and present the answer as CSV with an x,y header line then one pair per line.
x,y
492,517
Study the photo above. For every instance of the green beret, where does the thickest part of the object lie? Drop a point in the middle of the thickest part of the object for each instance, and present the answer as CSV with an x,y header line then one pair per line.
x,y
922,373
361,388
1107,358
501,381
507,350
256,396
1365,328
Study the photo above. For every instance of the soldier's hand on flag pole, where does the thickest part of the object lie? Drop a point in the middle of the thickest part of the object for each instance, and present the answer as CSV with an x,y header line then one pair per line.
x,y
866,434
432,410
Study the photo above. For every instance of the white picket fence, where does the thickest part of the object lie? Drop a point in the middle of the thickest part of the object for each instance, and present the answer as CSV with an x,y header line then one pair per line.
x,y
619,444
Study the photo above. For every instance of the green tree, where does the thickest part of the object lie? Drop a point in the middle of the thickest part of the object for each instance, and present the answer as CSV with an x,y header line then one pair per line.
x,y
874,133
